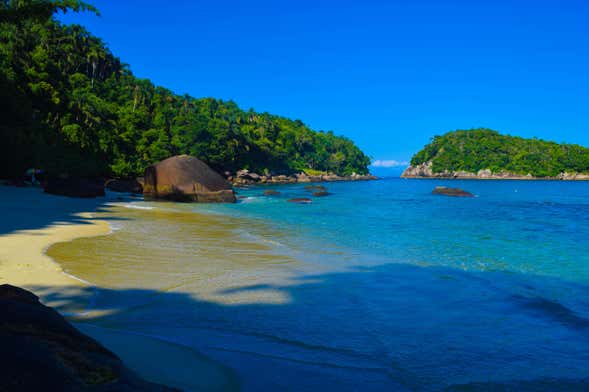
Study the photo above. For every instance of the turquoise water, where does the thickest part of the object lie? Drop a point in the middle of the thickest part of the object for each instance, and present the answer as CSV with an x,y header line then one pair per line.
x,y
396,289
527,227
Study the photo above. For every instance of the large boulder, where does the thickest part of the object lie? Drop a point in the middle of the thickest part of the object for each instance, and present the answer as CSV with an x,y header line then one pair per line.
x,y
75,187
186,178
43,352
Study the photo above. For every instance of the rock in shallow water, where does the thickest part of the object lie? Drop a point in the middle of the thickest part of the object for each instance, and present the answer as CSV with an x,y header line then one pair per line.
x,y
315,188
456,192
300,200
43,352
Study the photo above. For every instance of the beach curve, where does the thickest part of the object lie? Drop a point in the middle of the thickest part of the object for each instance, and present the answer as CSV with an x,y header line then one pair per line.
x,y
31,223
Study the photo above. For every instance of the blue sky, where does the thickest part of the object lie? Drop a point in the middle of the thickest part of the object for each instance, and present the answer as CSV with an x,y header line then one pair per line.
x,y
387,74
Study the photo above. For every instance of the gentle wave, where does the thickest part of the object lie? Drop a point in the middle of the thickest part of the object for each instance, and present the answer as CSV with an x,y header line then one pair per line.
x,y
137,207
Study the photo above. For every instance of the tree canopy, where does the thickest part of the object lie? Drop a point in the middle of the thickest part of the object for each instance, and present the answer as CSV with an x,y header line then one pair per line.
x,y
70,106
479,149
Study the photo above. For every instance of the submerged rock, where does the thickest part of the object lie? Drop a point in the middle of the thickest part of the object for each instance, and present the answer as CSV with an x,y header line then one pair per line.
x,y
270,192
316,188
300,200
186,178
75,187
456,192
43,352
321,193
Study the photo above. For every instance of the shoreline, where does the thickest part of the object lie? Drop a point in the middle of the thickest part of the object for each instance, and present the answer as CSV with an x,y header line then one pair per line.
x,y
245,177
425,171
33,221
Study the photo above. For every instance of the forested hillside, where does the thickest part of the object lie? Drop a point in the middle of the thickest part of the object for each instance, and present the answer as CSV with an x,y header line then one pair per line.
x,y
69,106
480,149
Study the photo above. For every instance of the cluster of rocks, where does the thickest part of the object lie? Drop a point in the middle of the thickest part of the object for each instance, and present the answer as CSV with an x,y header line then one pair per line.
x,y
246,177
425,171
179,178
187,179
43,352
317,190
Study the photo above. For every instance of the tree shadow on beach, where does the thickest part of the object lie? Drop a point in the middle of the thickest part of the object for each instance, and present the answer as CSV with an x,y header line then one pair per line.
x,y
422,328
32,209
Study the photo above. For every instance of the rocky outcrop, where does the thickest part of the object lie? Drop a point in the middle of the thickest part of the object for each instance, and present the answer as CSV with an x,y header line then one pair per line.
x,y
303,177
573,177
420,171
245,177
455,192
425,171
124,186
75,187
43,352
186,178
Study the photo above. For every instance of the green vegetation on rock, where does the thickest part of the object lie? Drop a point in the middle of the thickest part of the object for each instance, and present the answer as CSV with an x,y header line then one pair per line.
x,y
68,105
480,149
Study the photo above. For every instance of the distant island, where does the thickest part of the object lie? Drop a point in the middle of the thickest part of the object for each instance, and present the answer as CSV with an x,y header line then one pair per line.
x,y
487,154
71,108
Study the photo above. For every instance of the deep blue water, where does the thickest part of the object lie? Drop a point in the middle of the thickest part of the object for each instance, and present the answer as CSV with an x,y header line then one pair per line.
x,y
399,289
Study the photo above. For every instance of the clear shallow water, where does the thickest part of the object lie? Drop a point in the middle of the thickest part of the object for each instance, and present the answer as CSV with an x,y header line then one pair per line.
x,y
379,286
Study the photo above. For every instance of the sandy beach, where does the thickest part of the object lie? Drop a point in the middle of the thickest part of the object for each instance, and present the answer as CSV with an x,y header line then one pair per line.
x,y
31,221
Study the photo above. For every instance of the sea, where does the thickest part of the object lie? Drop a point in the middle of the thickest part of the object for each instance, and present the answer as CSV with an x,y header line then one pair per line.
x,y
379,286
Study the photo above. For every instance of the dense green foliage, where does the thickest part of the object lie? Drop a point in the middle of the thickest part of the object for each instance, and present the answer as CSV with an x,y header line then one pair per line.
x,y
68,105
478,149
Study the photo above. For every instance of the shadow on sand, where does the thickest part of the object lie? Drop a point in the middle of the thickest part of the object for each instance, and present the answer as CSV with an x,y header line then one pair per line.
x,y
32,209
